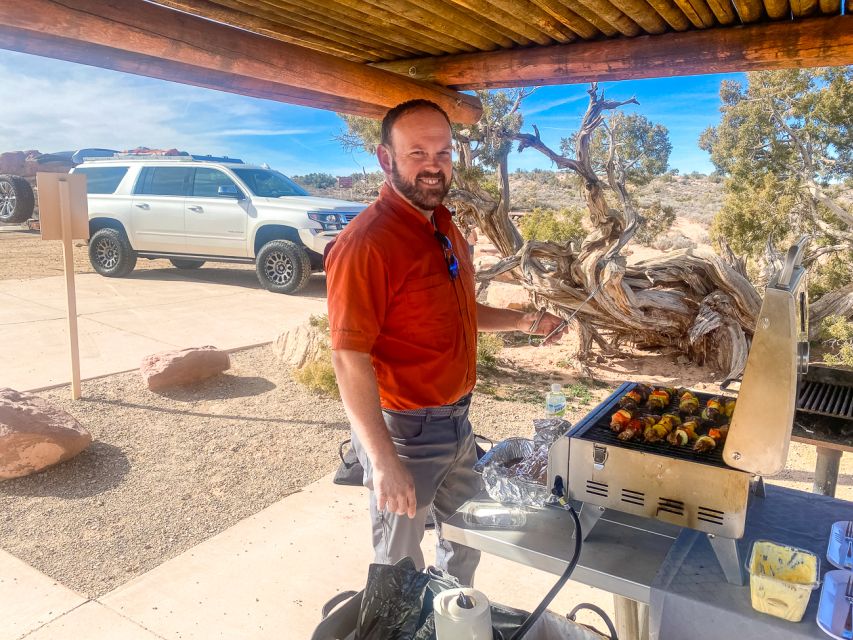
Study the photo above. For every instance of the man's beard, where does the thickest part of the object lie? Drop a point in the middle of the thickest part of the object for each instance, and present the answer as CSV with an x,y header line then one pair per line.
x,y
423,197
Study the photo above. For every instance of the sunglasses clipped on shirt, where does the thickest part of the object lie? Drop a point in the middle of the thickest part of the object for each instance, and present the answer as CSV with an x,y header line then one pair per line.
x,y
449,256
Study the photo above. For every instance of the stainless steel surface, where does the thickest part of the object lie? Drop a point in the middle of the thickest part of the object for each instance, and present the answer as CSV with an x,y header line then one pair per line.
x,y
826,471
684,493
760,430
621,554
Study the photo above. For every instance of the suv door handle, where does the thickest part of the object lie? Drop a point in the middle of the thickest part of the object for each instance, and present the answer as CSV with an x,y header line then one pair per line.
x,y
196,209
143,205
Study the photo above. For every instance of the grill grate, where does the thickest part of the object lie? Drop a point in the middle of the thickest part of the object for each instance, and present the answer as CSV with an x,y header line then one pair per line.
x,y
598,430
826,399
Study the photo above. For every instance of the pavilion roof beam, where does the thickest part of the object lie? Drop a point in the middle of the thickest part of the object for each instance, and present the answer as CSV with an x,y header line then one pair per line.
x,y
150,40
817,42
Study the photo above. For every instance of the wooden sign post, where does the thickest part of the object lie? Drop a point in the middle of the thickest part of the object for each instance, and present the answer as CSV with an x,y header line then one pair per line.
x,y
64,215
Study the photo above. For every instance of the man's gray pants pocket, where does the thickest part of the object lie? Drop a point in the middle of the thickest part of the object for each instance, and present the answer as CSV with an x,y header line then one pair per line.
x,y
440,454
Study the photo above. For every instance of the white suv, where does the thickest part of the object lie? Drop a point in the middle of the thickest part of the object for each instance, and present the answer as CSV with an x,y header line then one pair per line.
x,y
193,209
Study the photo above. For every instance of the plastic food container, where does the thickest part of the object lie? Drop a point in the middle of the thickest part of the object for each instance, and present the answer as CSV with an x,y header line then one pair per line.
x,y
781,579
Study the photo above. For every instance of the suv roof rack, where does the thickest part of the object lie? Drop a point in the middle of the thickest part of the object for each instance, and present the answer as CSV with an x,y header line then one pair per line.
x,y
146,157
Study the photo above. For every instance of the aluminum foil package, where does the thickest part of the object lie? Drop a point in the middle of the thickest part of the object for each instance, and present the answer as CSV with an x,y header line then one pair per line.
x,y
515,470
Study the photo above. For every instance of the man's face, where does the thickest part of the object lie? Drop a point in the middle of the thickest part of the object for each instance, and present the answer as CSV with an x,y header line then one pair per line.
x,y
419,160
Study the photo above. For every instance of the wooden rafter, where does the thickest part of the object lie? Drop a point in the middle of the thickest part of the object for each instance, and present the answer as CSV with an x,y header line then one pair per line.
x,y
146,39
816,42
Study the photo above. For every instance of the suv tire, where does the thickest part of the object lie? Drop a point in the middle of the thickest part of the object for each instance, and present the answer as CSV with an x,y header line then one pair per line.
x,y
16,199
187,264
283,266
111,254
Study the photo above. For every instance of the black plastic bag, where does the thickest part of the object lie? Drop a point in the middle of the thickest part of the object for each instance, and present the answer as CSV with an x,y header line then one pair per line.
x,y
392,607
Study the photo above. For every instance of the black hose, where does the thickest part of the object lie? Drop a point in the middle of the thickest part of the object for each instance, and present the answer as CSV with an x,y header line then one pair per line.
x,y
533,617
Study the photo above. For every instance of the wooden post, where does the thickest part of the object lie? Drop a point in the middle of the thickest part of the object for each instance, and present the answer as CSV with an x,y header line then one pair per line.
x,y
70,291
826,471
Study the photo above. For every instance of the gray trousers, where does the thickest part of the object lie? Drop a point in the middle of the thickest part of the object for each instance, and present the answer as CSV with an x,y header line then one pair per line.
x,y
439,452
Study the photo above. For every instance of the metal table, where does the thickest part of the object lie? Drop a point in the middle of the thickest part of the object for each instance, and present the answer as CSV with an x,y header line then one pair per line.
x,y
622,554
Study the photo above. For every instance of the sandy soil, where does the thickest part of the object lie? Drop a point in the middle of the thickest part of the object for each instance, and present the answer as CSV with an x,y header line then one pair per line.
x,y
24,255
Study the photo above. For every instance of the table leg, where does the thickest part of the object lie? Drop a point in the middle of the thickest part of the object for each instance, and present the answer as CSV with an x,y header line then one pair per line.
x,y
826,471
629,625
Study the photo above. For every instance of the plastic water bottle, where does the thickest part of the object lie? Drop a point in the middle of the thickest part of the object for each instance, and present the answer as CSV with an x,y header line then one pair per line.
x,y
555,402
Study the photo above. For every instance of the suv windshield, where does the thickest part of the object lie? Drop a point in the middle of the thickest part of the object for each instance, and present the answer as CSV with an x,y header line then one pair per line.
x,y
269,184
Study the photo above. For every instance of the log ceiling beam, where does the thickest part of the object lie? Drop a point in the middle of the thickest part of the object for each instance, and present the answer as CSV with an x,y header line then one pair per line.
x,y
817,42
150,40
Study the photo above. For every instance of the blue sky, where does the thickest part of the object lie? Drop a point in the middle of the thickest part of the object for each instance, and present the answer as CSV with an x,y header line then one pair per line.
x,y
52,105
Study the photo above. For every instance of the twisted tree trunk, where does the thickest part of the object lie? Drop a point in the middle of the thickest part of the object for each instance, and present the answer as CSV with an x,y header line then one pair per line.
x,y
693,300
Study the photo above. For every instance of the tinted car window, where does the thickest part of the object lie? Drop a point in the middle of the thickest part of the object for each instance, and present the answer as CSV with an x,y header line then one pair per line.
x,y
164,181
269,184
102,179
207,182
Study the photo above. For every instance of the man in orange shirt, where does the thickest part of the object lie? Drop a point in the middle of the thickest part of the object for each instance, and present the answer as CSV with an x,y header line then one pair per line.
x,y
404,324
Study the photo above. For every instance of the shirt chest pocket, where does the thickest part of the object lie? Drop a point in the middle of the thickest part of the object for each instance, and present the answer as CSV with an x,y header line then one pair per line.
x,y
429,310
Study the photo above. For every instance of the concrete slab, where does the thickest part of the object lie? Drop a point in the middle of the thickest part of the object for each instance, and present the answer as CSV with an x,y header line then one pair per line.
x,y
30,598
92,621
272,573
122,320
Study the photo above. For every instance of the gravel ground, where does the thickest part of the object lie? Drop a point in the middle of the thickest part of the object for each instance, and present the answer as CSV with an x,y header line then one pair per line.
x,y
166,472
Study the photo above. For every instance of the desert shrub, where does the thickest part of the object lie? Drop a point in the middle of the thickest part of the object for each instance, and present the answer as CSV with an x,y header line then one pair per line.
x,y
672,242
836,333
316,180
658,219
319,375
489,346
564,225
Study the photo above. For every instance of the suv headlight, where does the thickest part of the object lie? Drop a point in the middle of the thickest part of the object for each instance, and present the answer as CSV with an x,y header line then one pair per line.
x,y
329,221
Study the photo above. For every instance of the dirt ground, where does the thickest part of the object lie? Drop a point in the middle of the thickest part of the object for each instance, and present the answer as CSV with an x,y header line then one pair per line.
x,y
24,255
168,471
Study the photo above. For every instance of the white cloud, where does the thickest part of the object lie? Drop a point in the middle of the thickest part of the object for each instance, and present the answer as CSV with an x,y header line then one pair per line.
x,y
545,106
53,106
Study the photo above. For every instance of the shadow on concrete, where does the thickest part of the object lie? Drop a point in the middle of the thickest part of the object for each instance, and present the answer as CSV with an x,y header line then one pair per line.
x,y
245,278
222,387
96,470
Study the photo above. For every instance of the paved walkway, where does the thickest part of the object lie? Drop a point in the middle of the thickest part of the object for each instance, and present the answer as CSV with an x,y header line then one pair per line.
x,y
265,578
121,320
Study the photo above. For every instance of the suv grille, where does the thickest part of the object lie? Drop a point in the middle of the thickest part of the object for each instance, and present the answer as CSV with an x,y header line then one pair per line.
x,y
349,216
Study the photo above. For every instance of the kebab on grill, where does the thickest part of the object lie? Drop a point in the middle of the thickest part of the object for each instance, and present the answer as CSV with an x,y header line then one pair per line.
x,y
684,434
636,427
688,403
714,409
620,419
635,397
662,428
660,398
708,442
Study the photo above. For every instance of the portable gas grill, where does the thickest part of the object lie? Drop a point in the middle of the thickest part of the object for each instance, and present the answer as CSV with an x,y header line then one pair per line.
x,y
709,491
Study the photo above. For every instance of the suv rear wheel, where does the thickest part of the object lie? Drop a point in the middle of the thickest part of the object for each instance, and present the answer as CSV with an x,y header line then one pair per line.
x,y
187,264
283,266
111,254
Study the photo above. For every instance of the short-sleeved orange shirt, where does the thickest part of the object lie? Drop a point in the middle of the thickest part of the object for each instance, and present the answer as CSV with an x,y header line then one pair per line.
x,y
390,295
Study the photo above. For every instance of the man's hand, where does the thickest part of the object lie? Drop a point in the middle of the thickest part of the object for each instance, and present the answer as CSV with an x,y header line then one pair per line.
x,y
547,323
394,487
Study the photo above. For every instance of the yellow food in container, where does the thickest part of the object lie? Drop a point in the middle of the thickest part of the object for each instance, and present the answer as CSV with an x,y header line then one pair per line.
x,y
782,579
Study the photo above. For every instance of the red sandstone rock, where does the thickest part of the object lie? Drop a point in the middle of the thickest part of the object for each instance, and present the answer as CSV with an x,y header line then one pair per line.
x,y
169,369
35,435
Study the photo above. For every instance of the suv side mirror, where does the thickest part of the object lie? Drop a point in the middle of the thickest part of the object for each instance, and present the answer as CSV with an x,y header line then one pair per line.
x,y
230,191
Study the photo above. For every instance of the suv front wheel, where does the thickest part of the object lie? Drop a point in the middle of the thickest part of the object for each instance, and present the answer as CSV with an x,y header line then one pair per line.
x,y
111,254
283,266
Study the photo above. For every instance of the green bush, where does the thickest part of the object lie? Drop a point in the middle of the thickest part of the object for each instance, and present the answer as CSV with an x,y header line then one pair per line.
x,y
489,346
319,376
316,180
836,333
658,219
564,225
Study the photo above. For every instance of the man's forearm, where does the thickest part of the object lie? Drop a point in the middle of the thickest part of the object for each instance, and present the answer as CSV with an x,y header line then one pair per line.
x,y
495,319
360,395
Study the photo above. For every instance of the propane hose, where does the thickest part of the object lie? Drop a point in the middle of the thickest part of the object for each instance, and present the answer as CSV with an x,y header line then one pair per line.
x,y
559,493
